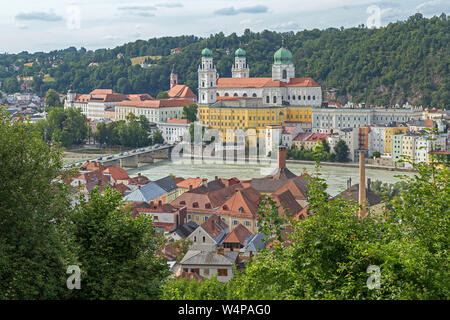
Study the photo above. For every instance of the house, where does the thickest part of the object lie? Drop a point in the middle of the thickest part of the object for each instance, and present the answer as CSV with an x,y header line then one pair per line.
x,y
166,217
116,174
209,234
373,200
209,263
190,183
255,244
168,185
183,231
163,189
238,238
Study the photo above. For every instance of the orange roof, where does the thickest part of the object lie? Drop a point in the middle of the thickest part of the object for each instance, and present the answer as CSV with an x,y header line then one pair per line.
x,y
181,91
264,82
214,226
238,235
161,103
185,121
117,173
194,182
139,97
244,204
103,95
229,98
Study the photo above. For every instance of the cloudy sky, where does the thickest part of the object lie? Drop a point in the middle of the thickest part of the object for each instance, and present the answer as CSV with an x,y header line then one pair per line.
x,y
55,24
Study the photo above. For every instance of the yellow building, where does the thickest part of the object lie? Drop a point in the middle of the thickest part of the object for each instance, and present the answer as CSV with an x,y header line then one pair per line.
x,y
232,114
389,132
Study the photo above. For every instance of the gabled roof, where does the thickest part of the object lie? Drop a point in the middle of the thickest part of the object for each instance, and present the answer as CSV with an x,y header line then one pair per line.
x,y
166,183
196,257
302,136
182,121
160,103
297,186
240,234
194,182
215,227
181,91
256,243
353,194
186,229
116,172
148,192
287,203
244,203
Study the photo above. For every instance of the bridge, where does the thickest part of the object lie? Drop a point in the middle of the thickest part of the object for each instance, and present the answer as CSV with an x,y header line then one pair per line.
x,y
134,158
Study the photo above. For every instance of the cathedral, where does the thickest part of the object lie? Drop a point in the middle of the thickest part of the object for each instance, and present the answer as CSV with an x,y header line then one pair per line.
x,y
283,88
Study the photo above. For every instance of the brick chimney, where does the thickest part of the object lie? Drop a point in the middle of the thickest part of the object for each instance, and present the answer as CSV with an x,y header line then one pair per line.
x,y
349,183
362,184
281,157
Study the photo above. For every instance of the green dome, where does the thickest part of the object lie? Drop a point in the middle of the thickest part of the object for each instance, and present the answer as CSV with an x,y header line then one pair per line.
x,y
282,56
206,52
240,53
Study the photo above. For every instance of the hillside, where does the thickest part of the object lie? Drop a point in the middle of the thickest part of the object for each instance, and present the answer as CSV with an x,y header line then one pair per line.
x,y
404,61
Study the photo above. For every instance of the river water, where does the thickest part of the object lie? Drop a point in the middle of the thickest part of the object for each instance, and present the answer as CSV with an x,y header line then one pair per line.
x,y
336,176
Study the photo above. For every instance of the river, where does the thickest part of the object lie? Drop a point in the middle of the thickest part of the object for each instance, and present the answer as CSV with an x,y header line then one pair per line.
x,y
336,176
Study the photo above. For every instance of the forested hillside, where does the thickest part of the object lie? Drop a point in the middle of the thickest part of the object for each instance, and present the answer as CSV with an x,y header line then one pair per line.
x,y
404,61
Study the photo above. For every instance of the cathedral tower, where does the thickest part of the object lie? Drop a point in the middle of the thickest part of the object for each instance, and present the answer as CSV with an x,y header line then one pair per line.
x,y
240,68
207,79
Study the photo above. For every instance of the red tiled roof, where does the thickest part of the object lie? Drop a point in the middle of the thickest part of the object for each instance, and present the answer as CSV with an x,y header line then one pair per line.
x,y
317,137
194,182
116,172
264,82
302,136
181,91
184,121
214,226
238,235
244,204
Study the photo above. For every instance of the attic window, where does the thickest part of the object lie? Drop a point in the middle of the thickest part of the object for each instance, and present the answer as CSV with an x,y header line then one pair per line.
x,y
208,206
183,202
241,209
195,204
225,207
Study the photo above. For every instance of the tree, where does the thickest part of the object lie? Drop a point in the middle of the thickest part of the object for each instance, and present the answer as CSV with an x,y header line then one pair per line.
x,y
190,112
34,249
116,250
52,98
326,146
157,137
66,126
11,85
376,154
342,151
162,95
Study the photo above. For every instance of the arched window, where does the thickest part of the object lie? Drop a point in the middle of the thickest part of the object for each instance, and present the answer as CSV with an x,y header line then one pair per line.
x,y
203,97
309,97
267,99
235,95
299,97
314,97
244,95
274,99
293,97
289,97
226,94
284,74
217,94
254,95
241,209
211,84
203,84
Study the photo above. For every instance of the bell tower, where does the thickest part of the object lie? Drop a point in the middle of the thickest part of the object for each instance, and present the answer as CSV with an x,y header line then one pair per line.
x,y
207,79
173,79
240,68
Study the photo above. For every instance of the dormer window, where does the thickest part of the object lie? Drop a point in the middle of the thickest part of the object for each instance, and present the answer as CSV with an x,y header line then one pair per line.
x,y
195,205
208,206
241,210
225,207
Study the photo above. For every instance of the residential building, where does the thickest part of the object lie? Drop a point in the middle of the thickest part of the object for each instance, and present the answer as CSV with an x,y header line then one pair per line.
x,y
174,129
209,234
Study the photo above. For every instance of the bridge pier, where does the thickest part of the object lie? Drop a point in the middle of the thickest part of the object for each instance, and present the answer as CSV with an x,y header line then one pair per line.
x,y
130,162
145,158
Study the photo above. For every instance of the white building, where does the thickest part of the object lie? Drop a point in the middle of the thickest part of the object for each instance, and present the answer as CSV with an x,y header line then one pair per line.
x,y
281,89
350,137
377,138
174,129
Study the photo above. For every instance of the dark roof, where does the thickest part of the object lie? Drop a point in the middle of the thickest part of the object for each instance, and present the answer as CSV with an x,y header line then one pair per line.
x,y
283,173
353,194
166,183
186,229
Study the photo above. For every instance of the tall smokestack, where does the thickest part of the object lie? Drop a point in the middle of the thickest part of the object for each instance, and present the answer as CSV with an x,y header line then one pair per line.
x,y
281,157
362,183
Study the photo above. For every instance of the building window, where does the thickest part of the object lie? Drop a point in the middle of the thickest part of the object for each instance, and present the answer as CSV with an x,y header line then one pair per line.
x,y
247,223
284,74
222,272
267,99
244,95
226,94
254,95
204,239
206,271
235,222
309,97
203,84
235,95
274,99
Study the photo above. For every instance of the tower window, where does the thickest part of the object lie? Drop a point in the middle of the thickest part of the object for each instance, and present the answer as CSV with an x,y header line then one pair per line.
x,y
254,95
284,74
309,97
244,95
235,95
203,84
226,94
274,99
299,97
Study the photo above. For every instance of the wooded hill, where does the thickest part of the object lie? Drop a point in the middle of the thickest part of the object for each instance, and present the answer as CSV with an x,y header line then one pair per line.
x,y
404,61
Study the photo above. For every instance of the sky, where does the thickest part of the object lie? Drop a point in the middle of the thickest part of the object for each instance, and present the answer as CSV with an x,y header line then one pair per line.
x,y
45,25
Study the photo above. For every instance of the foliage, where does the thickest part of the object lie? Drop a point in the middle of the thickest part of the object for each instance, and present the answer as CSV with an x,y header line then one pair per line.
x,y
403,61
190,112
162,95
116,251
388,190
34,249
157,137
65,126
376,154
52,98
342,151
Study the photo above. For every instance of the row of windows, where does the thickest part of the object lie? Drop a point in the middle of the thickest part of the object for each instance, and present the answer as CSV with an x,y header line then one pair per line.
x,y
274,99
235,222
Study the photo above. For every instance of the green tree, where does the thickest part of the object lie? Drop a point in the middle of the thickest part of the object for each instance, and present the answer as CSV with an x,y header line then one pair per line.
x,y
52,98
117,251
157,137
34,249
162,95
376,154
342,151
66,126
190,112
